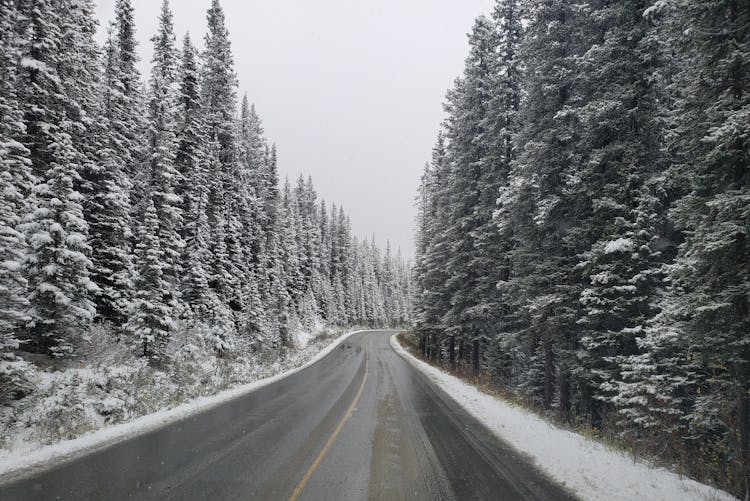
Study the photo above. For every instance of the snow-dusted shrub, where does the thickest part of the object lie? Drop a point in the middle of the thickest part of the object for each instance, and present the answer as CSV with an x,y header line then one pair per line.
x,y
15,377
62,411
105,345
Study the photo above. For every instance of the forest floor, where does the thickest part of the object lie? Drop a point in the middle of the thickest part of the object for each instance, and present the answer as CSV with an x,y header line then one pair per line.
x,y
100,400
588,467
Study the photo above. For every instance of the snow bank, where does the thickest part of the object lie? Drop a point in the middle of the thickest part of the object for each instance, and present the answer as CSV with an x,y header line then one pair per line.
x,y
12,466
586,467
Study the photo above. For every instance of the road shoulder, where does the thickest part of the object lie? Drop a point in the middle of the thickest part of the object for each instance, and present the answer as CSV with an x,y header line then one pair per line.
x,y
582,465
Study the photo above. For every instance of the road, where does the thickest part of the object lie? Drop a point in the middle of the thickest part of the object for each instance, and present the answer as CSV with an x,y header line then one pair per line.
x,y
361,423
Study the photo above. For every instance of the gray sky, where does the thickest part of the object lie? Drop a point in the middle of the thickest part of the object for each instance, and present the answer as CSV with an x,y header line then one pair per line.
x,y
350,91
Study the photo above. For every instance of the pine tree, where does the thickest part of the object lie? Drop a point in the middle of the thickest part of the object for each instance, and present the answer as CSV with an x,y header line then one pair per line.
x,y
470,154
114,181
433,246
107,203
621,161
190,137
57,266
196,291
38,82
151,320
129,128
15,185
500,123
542,176
711,276
219,85
162,141
218,99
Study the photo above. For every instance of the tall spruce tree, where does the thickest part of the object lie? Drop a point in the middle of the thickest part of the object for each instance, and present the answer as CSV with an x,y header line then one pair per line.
x,y
151,320
57,265
15,187
107,208
711,277
162,142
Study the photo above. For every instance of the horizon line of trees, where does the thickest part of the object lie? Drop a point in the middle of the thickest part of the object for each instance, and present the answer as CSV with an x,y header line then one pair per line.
x,y
584,223
155,207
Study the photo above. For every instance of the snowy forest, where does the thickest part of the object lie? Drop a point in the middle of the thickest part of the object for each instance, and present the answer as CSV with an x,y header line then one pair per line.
x,y
147,218
584,221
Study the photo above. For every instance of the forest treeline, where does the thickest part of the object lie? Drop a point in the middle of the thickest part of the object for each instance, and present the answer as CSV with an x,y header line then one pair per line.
x,y
155,206
584,222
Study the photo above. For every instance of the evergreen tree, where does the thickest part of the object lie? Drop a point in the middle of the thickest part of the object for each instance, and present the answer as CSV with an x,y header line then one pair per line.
x,y
129,128
107,203
164,176
151,320
189,136
475,166
711,276
542,176
218,99
57,266
15,185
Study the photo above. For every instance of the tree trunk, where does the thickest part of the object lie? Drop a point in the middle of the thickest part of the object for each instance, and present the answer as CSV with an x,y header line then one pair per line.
x,y
564,397
461,351
475,358
423,345
549,374
452,351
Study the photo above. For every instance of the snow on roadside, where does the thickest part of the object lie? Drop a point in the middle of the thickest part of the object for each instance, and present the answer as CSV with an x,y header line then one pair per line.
x,y
102,438
584,466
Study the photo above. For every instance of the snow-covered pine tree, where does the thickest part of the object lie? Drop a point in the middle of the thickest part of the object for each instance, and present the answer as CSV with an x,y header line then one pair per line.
x,y
164,176
39,88
432,299
252,150
150,320
269,257
106,205
469,150
389,286
190,138
325,293
271,196
711,276
196,291
57,266
218,100
248,232
15,186
500,123
289,245
542,174
618,213
114,182
130,126
80,73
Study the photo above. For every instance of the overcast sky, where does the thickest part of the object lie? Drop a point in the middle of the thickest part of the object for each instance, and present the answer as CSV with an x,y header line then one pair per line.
x,y
350,91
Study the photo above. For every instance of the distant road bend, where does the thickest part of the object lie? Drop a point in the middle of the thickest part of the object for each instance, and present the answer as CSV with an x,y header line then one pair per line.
x,y
361,423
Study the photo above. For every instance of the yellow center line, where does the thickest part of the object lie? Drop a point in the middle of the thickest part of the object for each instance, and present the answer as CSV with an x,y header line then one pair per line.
x,y
324,451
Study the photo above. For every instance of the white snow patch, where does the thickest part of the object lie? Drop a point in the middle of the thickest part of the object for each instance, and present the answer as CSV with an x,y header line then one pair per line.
x,y
586,467
619,245
12,466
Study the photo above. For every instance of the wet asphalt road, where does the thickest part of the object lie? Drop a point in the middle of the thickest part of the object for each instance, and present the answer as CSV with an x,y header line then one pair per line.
x,y
359,424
